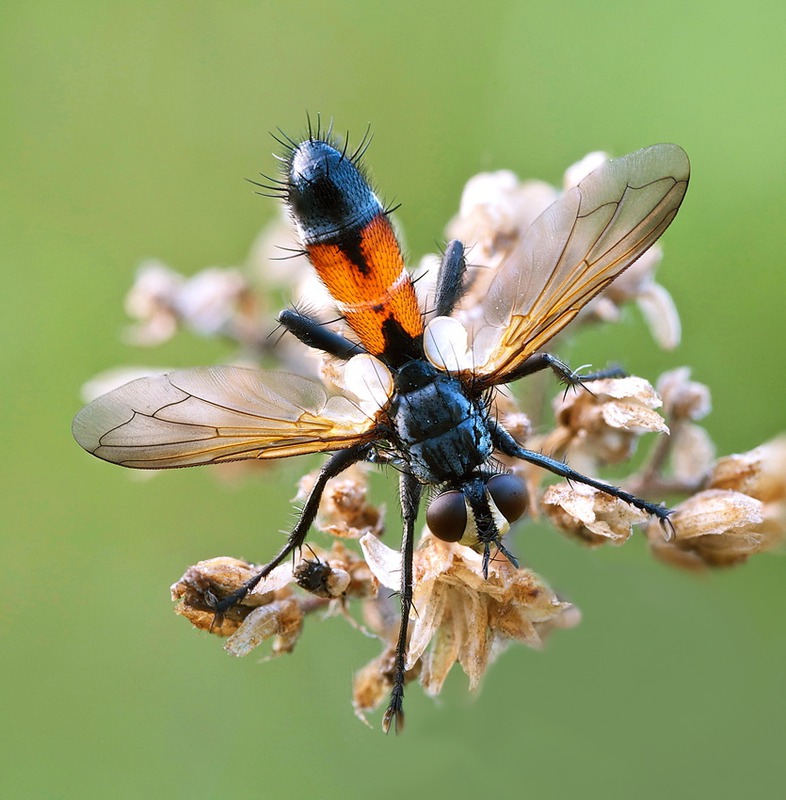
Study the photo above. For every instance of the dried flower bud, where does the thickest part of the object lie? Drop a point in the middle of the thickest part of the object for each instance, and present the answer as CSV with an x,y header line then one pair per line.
x,y
692,452
660,313
682,397
714,528
208,302
592,517
603,424
208,582
576,173
276,258
151,300
495,212
462,617
504,407
496,209
372,684
760,473
343,510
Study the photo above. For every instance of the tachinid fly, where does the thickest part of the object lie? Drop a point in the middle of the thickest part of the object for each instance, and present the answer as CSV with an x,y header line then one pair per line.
x,y
424,391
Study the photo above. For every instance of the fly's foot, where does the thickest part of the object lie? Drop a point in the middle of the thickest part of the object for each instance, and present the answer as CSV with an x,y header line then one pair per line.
x,y
666,524
220,607
394,713
574,378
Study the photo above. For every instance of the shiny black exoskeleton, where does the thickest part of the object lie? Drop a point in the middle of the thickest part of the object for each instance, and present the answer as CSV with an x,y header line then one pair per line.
x,y
442,433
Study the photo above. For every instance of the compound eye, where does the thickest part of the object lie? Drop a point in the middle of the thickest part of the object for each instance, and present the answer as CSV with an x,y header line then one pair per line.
x,y
446,516
509,494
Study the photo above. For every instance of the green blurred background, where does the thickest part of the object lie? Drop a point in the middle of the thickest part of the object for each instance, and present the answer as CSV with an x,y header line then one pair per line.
x,y
127,130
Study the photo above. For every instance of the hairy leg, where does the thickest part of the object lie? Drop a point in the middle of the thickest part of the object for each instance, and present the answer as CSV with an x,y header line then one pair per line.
x,y
410,491
508,445
335,465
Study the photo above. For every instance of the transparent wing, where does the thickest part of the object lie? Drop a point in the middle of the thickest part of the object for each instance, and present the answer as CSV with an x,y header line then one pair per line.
x,y
215,414
574,250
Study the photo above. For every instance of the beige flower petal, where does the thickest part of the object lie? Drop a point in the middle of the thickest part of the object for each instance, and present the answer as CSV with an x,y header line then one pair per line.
x,y
692,452
439,660
279,618
474,649
278,579
514,623
427,619
384,563
631,387
661,314
632,416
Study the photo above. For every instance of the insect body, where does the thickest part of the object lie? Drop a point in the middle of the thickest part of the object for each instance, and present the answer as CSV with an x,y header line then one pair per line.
x,y
429,418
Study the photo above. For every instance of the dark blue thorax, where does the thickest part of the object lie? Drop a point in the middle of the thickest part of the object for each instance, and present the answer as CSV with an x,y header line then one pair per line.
x,y
442,433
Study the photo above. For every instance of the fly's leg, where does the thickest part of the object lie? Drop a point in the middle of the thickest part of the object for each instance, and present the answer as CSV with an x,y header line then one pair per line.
x,y
337,463
450,279
410,491
314,334
505,443
541,361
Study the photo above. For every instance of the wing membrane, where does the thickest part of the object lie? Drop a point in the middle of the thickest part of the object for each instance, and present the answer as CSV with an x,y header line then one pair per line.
x,y
576,248
216,414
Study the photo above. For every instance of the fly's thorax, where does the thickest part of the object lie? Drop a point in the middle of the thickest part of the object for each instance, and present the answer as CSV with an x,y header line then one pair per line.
x,y
442,432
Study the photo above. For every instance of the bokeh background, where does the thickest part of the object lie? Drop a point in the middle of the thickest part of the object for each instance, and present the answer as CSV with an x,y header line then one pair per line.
x,y
126,131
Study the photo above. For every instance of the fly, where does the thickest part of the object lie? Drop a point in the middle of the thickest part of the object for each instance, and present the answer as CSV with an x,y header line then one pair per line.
x,y
425,386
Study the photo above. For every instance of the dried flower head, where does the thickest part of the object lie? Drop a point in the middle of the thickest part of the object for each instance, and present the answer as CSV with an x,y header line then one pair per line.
x,y
203,584
741,512
603,424
458,615
277,608
592,517
214,302
728,509
344,510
